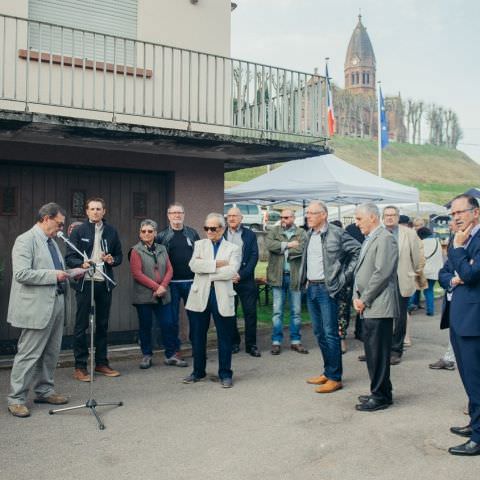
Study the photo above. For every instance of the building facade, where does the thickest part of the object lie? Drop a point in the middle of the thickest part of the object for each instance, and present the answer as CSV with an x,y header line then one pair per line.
x,y
136,101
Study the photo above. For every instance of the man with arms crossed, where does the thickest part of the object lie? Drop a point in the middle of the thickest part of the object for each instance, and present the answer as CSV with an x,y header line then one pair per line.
x,y
37,306
375,299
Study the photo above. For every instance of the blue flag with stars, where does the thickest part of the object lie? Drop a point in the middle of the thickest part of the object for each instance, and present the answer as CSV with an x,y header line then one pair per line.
x,y
383,121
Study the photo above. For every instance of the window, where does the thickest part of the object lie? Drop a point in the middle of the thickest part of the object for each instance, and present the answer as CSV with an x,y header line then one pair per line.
x,y
8,200
139,204
353,79
252,209
108,17
79,198
243,209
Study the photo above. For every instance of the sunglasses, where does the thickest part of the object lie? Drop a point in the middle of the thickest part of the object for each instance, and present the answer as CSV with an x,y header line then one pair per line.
x,y
212,229
146,231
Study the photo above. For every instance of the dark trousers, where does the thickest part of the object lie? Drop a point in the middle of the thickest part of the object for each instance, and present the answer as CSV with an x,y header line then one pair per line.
x,y
224,326
400,329
467,354
247,295
377,340
163,316
179,291
103,300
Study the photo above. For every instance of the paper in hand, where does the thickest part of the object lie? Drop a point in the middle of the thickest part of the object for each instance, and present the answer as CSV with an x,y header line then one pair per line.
x,y
76,272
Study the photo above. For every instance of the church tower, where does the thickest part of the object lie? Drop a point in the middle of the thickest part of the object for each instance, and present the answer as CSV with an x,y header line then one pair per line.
x,y
360,64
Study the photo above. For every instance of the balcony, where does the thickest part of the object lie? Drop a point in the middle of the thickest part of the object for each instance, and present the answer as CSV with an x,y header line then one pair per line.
x,y
244,112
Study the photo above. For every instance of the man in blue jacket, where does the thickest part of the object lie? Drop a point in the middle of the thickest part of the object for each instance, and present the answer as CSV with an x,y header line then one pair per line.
x,y
244,281
460,276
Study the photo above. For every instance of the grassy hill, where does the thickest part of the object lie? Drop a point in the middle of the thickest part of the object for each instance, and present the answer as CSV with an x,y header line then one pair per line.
x,y
439,173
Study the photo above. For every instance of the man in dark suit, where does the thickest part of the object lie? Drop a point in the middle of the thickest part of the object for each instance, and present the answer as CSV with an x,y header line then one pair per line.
x,y
375,299
460,276
244,281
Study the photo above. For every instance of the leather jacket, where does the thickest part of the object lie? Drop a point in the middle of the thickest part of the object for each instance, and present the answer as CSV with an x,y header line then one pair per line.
x,y
340,255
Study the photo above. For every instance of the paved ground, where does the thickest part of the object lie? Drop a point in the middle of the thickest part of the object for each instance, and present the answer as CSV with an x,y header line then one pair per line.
x,y
271,425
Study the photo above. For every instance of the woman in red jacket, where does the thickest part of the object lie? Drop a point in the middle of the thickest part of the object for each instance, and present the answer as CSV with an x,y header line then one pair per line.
x,y
152,271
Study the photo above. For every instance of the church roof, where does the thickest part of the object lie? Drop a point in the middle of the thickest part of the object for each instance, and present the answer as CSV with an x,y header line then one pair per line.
x,y
360,50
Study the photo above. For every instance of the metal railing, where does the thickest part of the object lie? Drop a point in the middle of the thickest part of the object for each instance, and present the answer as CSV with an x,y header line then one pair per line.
x,y
43,64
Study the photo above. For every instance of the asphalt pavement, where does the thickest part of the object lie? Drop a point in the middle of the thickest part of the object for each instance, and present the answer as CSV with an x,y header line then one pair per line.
x,y
271,425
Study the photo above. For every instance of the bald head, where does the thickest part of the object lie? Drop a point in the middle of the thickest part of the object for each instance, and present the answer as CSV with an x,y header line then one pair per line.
x,y
234,218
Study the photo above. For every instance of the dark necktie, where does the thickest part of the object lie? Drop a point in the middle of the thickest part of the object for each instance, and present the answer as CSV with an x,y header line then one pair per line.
x,y
56,262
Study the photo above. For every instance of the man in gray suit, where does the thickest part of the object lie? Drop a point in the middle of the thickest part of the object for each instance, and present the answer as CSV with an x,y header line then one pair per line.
x,y
37,306
375,299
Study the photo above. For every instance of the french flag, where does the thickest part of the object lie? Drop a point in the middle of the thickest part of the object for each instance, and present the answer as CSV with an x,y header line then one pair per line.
x,y
330,113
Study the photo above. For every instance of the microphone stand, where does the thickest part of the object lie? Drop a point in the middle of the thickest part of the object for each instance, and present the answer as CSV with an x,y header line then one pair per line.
x,y
91,403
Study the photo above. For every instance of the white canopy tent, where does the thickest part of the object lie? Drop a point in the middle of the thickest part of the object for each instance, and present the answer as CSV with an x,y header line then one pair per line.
x,y
326,178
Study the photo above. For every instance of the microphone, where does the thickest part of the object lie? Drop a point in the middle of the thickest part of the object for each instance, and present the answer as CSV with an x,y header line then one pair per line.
x,y
61,235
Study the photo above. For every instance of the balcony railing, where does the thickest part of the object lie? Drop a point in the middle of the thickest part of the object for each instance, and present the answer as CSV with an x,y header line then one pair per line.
x,y
65,71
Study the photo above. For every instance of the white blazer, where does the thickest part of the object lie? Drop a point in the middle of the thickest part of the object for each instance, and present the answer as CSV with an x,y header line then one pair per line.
x,y
203,265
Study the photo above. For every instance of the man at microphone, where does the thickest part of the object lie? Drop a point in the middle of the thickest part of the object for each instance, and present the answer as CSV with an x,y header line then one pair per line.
x,y
101,246
37,306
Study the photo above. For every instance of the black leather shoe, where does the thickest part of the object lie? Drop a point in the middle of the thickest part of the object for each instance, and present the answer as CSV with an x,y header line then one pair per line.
x,y
395,360
371,405
366,398
235,348
469,449
462,431
253,351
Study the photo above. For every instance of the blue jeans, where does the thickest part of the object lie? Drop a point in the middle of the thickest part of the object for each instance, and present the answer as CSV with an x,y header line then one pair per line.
x,y
295,301
323,312
200,321
429,297
179,291
163,315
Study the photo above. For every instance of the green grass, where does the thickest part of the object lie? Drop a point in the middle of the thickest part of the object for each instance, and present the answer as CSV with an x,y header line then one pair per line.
x,y
439,173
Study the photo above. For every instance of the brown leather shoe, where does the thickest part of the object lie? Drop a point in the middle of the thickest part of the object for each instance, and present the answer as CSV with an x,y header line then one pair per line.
x,y
276,349
317,380
329,386
107,371
54,399
81,374
298,347
19,410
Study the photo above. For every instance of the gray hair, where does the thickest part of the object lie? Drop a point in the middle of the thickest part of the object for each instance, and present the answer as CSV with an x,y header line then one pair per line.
x,y
369,208
175,204
150,223
397,210
218,217
50,210
321,204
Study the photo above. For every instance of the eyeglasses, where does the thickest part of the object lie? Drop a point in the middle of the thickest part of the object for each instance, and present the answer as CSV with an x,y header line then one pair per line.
x,y
459,212
284,218
176,213
313,213
212,229
59,224
146,231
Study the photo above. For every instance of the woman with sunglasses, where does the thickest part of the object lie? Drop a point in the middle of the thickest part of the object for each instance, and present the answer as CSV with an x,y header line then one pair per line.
x,y
152,271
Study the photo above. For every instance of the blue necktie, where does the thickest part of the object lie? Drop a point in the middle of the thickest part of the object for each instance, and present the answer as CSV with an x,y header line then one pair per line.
x,y
56,262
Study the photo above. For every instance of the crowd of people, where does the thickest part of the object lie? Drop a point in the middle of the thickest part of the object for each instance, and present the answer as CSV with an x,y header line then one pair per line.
x,y
378,266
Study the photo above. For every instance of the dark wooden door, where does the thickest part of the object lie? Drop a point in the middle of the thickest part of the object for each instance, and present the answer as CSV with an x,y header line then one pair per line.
x,y
130,197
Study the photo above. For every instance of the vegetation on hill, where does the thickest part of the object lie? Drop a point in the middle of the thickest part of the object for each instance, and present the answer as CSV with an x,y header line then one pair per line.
x,y
439,173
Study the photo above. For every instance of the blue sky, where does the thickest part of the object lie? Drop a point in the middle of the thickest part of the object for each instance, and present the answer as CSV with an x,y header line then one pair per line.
x,y
425,49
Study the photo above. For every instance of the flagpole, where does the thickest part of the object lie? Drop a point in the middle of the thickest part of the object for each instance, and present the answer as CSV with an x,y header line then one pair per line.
x,y
379,132
325,117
